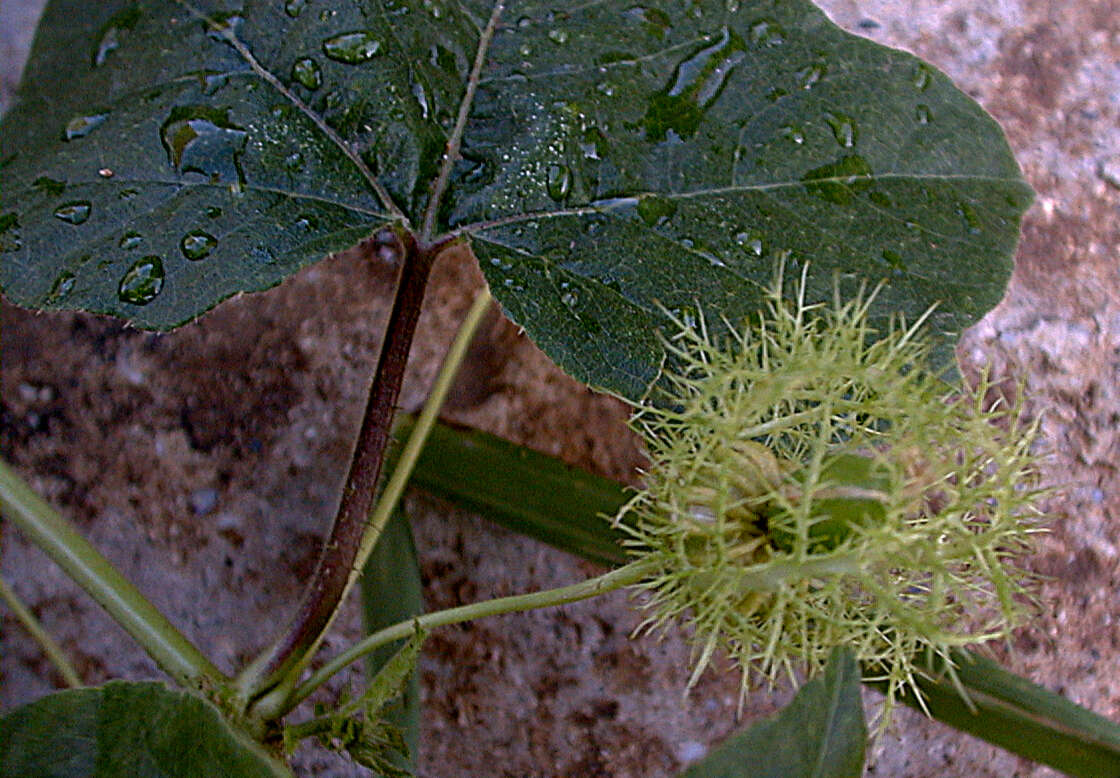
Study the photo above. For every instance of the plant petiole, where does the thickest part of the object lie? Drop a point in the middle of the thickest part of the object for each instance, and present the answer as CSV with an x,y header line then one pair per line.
x,y
627,575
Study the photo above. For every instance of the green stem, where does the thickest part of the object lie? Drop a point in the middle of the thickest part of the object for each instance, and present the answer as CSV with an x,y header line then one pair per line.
x,y
593,587
274,703
51,649
176,655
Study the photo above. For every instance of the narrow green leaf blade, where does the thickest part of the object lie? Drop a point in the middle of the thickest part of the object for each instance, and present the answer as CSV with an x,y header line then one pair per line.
x,y
125,729
622,158
392,592
820,734
1022,717
523,490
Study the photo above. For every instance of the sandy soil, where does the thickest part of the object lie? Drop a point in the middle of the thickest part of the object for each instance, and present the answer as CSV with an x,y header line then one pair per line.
x,y
205,462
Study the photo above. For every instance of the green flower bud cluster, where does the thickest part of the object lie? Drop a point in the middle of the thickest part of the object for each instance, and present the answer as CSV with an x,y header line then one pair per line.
x,y
812,484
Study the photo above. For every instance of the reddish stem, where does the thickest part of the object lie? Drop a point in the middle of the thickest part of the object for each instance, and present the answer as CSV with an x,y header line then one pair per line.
x,y
328,582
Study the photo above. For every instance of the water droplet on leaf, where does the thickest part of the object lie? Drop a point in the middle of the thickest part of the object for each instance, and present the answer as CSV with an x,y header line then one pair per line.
x,y
200,139
655,210
881,199
130,240
61,287
807,77
697,82
923,77
557,36
970,217
569,298
353,48
893,258
923,114
49,185
76,212
213,211
843,129
559,181
293,162
792,132
81,126
751,241
767,32
197,245
294,8
840,181
9,233
306,72
142,282
108,39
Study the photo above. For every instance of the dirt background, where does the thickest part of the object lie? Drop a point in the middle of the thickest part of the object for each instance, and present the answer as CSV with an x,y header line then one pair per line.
x,y
205,463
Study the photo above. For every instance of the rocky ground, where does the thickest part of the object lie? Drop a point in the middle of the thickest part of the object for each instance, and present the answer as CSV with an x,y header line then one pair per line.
x,y
205,462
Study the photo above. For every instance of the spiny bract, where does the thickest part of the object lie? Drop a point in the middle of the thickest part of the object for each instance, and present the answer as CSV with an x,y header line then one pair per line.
x,y
814,484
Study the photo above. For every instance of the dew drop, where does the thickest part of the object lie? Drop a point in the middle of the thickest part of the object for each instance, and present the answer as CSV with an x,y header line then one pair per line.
x,y
605,88
61,287
306,72
807,77
108,40
81,126
922,77
142,282
353,48
294,8
10,239
306,222
130,240
76,212
843,129
200,139
655,210
421,98
49,185
213,211
697,82
767,32
559,181
751,241
793,133
197,245
970,217
221,25
923,114
558,36
293,162
880,199
840,181
570,299
893,258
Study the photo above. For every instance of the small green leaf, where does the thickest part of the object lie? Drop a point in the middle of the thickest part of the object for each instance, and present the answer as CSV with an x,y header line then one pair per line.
x,y
522,490
820,734
125,729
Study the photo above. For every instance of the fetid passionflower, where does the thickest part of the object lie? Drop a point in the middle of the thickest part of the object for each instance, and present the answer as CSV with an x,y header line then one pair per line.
x,y
813,483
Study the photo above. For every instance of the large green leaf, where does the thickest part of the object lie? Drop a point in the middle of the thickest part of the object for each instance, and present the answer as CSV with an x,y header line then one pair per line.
x,y
619,160
125,729
151,168
820,734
